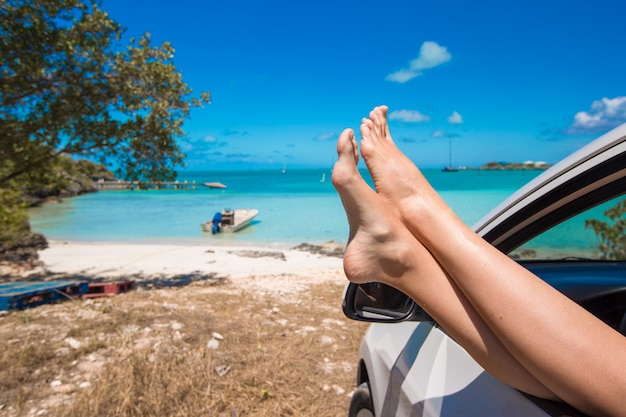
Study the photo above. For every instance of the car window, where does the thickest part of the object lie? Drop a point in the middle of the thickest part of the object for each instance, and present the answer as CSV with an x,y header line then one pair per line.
x,y
597,234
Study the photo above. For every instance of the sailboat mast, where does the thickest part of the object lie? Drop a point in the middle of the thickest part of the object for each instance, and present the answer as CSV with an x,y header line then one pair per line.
x,y
449,167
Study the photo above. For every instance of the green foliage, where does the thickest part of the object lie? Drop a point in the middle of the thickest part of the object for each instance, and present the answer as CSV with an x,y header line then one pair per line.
x,y
64,177
612,244
18,245
69,87
13,216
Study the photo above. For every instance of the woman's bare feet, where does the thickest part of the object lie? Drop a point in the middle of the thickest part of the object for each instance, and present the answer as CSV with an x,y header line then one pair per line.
x,y
500,293
380,248
396,178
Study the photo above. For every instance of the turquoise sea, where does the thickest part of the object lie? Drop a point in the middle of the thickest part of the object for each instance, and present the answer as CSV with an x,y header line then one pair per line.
x,y
294,207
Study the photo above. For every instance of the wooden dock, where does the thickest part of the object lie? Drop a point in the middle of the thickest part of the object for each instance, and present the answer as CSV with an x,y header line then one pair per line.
x,y
103,185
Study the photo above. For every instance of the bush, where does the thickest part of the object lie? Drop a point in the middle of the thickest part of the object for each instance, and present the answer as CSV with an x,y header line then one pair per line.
x,y
18,245
612,244
64,177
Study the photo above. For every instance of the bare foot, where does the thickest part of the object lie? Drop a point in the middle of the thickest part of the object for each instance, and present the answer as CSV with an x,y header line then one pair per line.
x,y
379,248
396,178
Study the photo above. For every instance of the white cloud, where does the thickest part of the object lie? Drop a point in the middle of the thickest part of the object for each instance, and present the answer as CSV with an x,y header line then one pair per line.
x,y
604,114
455,118
192,144
402,76
408,116
431,55
325,136
439,134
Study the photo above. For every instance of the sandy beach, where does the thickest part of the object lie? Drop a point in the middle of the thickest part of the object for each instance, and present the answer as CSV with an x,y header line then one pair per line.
x,y
161,265
229,330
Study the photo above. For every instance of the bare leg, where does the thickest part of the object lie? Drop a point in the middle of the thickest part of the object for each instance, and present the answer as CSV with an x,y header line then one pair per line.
x,y
571,352
382,249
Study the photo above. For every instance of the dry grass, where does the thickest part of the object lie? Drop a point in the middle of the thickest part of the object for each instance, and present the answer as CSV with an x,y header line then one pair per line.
x,y
148,353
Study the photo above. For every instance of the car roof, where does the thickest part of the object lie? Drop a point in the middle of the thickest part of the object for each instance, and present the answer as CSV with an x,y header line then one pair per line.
x,y
593,174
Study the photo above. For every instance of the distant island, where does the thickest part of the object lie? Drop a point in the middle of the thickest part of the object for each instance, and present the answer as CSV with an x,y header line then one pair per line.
x,y
511,166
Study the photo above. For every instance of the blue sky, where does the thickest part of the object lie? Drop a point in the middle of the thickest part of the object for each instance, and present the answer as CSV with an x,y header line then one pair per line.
x,y
499,80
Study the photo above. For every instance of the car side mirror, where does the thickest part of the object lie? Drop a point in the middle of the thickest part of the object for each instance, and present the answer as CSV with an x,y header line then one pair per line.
x,y
380,303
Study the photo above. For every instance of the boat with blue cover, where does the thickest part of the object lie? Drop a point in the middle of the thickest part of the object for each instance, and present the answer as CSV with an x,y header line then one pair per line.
x,y
229,221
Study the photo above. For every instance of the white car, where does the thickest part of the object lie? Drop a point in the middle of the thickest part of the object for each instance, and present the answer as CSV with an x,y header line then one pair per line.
x,y
409,366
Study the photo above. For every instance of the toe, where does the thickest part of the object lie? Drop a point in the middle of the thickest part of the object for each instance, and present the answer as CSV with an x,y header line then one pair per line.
x,y
345,168
347,147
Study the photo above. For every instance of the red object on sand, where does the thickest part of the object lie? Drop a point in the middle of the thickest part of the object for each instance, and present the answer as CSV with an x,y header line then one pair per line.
x,y
102,289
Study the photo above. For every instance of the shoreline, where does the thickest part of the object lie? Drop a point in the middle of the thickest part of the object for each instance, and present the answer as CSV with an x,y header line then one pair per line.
x,y
194,241
163,265
168,241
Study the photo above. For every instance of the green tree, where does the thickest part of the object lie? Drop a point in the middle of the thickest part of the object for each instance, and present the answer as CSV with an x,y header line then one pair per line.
x,y
611,234
69,86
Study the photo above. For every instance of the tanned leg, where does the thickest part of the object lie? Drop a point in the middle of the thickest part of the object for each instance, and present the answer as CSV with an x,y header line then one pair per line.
x,y
571,352
381,249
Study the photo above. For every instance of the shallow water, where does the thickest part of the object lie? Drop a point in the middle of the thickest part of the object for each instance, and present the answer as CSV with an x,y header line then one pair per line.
x,y
294,207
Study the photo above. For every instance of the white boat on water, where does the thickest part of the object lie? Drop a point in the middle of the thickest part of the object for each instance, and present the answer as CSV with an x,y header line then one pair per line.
x,y
214,185
229,221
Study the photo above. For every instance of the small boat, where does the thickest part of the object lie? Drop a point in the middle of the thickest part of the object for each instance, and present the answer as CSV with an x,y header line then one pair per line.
x,y
214,185
229,221
323,180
